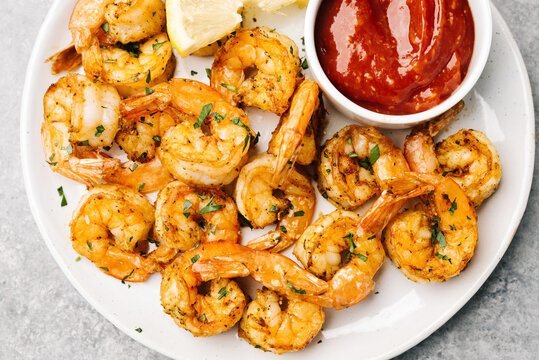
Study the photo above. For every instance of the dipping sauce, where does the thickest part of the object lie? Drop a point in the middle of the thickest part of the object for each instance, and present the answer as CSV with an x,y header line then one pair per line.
x,y
395,56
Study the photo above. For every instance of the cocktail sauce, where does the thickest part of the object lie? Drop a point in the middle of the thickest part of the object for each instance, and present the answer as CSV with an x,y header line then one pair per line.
x,y
395,56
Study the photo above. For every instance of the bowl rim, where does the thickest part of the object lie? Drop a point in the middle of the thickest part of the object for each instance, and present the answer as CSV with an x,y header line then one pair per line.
x,y
481,50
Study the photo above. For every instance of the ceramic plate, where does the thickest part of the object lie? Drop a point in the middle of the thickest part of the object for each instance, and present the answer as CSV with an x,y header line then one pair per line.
x,y
399,314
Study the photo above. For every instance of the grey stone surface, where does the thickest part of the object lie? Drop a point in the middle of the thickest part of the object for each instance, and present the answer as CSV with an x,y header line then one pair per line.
x,y
43,317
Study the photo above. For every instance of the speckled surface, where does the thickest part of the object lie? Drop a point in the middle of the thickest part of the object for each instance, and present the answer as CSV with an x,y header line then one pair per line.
x,y
43,317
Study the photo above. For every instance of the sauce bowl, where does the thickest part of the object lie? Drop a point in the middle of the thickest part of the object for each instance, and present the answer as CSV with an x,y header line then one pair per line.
x,y
483,35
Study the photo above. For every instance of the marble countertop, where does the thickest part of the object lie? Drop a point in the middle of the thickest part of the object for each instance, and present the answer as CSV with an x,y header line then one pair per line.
x,y
43,316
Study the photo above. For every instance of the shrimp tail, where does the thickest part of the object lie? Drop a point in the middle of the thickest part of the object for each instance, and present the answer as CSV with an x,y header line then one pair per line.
x,y
274,241
65,60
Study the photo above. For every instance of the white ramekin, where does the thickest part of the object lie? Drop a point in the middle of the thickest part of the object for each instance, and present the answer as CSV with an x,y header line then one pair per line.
x,y
483,36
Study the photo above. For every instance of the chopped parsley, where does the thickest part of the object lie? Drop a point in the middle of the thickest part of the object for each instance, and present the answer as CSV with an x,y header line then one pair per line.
x,y
352,154
156,138
208,73
141,186
139,330
195,258
132,168
304,64
222,293
229,87
273,208
244,220
148,90
193,72
105,27
206,109
444,257
213,229
98,131
133,48
187,205
125,278
62,195
149,78
283,229
156,46
299,213
210,207
298,291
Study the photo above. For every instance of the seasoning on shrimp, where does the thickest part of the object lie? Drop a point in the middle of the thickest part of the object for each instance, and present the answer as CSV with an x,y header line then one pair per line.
x,y
80,115
355,164
208,149
274,323
274,59
186,216
110,227
263,202
295,138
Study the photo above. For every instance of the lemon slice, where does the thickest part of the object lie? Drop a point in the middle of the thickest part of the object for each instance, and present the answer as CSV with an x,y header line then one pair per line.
x,y
272,6
193,24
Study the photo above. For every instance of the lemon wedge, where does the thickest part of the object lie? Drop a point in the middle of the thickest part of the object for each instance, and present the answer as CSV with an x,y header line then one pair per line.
x,y
272,6
193,24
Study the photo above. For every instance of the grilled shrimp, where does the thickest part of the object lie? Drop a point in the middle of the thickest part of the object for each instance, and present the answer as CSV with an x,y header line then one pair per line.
x,y
280,325
333,242
140,135
186,216
294,139
436,241
80,115
145,178
468,157
273,56
121,43
280,274
211,146
355,164
262,202
110,227
203,315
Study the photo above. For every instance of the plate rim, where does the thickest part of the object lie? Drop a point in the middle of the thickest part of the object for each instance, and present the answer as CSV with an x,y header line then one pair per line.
x,y
413,341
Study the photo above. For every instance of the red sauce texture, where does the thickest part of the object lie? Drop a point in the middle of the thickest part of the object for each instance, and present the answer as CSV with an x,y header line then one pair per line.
x,y
395,56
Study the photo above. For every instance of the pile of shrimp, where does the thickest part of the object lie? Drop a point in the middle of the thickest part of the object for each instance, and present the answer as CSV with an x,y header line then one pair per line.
x,y
191,143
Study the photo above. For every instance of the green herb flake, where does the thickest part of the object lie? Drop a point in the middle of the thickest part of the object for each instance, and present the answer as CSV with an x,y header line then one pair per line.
x,y
206,109
132,168
202,317
299,213
62,195
229,87
325,195
77,259
440,238
110,61
244,220
210,207
187,205
222,293
156,138
149,78
105,27
126,277
69,148
139,330
148,90
98,131
156,46
352,155
279,78
453,207
89,244
283,229
443,257
141,186
208,73
193,72
213,229
104,268
298,291
374,154
195,258
305,64
291,50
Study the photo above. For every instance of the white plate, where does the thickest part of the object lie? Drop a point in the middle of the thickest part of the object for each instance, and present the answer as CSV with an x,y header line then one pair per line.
x,y
399,315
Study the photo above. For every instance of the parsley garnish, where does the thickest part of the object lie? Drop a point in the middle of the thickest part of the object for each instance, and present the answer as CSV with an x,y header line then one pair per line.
x,y
304,64
206,109
132,168
299,213
141,186
299,291
222,293
133,48
156,138
444,257
210,207
187,205
273,208
98,131
193,72
208,73
229,87
62,195
157,45
148,90
125,278
195,258
283,229
105,27
149,78
139,330
89,244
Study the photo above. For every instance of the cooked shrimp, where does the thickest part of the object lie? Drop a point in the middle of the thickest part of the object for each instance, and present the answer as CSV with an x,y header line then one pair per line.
x,y
115,20
294,139
468,157
186,216
145,178
355,164
333,242
140,135
273,56
280,325
80,115
278,273
109,227
203,315
262,202
210,149
435,243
